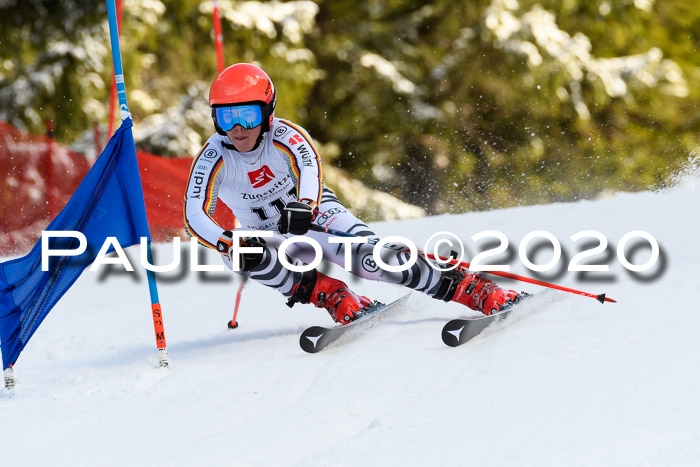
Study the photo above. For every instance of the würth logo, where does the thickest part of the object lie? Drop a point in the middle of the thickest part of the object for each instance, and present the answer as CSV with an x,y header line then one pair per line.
x,y
261,176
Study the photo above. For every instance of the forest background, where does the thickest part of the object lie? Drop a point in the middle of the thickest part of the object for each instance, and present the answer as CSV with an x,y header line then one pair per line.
x,y
449,105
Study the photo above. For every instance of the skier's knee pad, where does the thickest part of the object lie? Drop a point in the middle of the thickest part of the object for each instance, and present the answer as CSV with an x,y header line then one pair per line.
x,y
448,284
249,261
301,293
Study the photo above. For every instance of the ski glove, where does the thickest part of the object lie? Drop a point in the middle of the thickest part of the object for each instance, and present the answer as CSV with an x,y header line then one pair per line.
x,y
296,218
246,261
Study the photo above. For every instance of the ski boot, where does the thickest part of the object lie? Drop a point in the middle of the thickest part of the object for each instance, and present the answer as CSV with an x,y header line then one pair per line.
x,y
477,293
342,304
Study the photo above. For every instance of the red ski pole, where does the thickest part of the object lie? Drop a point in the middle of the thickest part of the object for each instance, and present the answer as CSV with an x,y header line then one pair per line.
x,y
233,324
600,297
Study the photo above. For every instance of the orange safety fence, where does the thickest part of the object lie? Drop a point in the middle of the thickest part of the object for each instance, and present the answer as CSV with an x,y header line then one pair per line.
x,y
38,176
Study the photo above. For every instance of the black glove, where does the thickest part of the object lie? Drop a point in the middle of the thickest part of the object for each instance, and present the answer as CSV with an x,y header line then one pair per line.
x,y
296,218
246,261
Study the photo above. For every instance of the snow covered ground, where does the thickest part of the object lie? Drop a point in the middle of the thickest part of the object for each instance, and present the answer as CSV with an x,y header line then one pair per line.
x,y
573,383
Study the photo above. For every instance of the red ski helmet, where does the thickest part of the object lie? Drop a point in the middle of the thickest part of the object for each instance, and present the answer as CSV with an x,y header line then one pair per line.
x,y
243,83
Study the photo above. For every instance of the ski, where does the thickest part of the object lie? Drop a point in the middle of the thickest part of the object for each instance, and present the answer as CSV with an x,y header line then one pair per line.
x,y
458,331
316,338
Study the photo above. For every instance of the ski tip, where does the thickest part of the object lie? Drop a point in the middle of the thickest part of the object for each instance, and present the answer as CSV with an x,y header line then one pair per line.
x,y
232,325
450,336
311,340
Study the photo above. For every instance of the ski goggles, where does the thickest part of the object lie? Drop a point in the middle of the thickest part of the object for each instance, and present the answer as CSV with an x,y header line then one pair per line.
x,y
247,116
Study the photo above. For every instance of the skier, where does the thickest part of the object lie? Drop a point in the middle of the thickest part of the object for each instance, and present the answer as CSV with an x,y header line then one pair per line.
x,y
268,171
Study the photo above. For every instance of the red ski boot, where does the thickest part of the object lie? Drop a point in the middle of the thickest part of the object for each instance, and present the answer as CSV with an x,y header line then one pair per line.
x,y
475,292
332,294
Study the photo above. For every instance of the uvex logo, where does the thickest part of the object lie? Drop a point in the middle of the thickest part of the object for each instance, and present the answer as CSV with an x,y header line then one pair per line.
x,y
260,177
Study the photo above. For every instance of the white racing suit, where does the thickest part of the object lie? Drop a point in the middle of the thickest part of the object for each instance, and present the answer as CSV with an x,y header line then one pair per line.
x,y
256,186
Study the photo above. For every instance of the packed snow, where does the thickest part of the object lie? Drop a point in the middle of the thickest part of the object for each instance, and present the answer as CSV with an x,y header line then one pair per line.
x,y
573,382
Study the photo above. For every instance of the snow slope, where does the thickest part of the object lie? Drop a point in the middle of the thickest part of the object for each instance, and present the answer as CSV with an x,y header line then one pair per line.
x,y
574,383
